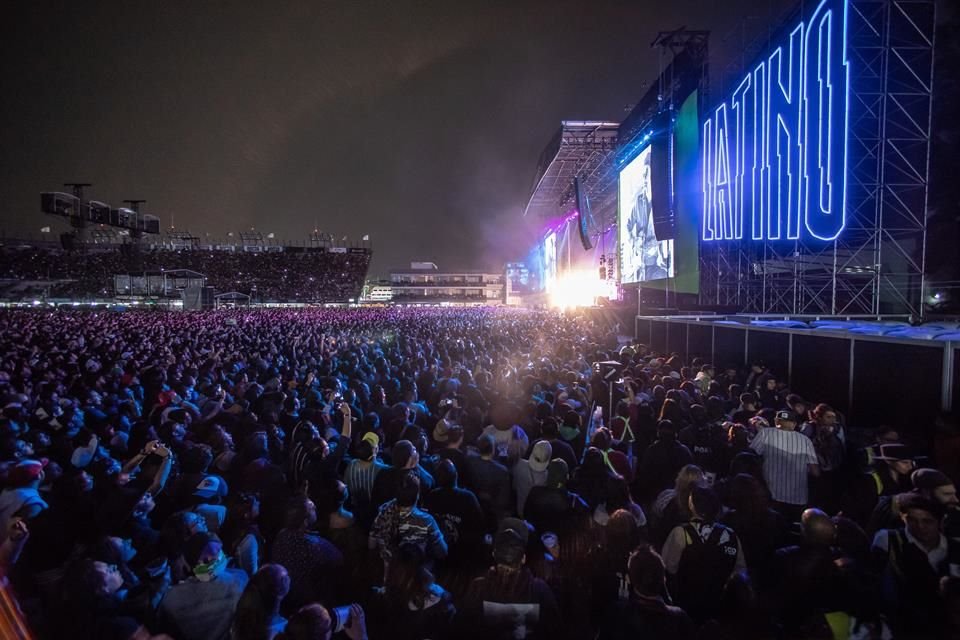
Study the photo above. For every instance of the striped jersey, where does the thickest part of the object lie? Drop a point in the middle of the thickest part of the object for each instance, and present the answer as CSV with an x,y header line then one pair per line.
x,y
786,455
359,477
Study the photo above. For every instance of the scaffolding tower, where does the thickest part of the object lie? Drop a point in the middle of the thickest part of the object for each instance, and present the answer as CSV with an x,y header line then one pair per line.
x,y
877,265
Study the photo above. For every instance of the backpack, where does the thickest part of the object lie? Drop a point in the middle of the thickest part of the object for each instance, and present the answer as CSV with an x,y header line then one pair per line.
x,y
705,566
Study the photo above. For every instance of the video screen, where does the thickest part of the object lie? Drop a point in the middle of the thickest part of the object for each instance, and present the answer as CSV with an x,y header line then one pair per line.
x,y
550,260
642,256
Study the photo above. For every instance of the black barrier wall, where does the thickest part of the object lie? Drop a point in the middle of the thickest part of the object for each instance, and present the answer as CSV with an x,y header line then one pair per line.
x,y
873,380
823,365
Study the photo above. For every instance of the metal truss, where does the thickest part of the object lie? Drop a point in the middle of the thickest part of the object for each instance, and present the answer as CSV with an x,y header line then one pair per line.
x,y
877,264
584,149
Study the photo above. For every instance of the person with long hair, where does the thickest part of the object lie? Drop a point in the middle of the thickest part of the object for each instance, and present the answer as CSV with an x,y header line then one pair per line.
x,y
829,444
619,498
593,478
258,611
93,603
241,534
761,529
671,507
673,411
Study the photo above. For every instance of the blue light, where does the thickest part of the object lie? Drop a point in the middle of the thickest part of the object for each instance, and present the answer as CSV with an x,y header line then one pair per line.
x,y
742,181
722,180
709,218
785,166
630,152
757,191
825,196
781,123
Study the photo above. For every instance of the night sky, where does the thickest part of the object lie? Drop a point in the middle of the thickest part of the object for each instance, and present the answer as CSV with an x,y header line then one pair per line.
x,y
419,123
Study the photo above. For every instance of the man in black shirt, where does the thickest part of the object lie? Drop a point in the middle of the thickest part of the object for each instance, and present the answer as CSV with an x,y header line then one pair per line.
x,y
458,513
552,507
405,457
804,578
450,438
645,614
550,431
509,602
490,480
706,443
662,460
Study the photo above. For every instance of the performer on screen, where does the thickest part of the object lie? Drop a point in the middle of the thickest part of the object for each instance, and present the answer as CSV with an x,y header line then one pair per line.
x,y
650,259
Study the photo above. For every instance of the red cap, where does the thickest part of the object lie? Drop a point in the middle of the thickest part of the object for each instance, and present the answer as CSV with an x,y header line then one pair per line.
x,y
164,398
26,471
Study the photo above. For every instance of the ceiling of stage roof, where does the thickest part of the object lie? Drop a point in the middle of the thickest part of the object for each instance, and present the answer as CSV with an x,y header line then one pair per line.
x,y
579,148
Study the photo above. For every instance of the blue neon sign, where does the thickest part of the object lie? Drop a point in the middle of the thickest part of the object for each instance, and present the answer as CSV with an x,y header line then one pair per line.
x,y
774,155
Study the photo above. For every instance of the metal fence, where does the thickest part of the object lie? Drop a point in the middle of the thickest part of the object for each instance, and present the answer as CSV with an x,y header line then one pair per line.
x,y
874,380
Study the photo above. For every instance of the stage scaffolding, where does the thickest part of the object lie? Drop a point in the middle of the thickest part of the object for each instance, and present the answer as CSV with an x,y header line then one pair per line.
x,y
877,264
584,149
590,149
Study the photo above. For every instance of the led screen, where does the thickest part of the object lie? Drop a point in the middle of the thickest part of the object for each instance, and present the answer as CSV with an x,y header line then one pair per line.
x,y
550,260
642,256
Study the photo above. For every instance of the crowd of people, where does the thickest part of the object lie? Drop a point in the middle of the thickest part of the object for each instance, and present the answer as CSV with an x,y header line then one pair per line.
x,y
293,274
418,474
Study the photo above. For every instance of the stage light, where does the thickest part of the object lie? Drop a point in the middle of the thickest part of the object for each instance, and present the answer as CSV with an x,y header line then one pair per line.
x,y
579,289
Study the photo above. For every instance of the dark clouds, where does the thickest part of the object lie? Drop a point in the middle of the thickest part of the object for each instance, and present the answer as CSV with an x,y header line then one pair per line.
x,y
419,123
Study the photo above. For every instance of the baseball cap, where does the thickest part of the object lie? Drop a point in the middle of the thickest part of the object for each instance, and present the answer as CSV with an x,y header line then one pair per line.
x,y
372,438
517,526
208,487
509,548
82,456
401,453
787,416
925,479
27,471
441,431
540,456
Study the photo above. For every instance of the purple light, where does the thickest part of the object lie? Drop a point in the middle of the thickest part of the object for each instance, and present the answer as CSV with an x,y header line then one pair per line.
x,y
556,225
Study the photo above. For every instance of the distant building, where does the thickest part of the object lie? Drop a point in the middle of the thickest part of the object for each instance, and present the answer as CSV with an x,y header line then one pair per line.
x,y
425,283
378,292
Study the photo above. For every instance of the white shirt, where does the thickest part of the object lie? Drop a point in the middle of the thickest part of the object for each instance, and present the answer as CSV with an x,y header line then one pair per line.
x,y
786,459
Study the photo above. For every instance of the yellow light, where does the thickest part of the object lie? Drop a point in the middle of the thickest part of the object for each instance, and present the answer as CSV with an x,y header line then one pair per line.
x,y
578,289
